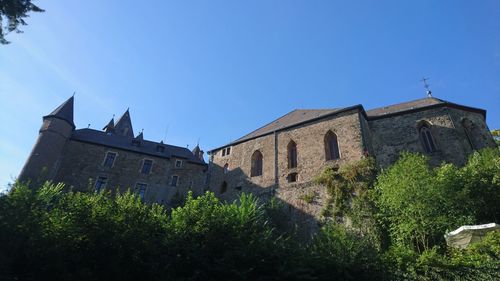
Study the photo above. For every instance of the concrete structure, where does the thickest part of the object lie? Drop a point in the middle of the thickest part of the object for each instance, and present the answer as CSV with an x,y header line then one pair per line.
x,y
87,159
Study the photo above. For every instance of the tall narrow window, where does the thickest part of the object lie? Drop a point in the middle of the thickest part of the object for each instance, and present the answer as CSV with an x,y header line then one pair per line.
x,y
175,180
226,168
100,183
140,189
146,166
468,128
109,160
331,146
292,154
256,169
223,187
427,139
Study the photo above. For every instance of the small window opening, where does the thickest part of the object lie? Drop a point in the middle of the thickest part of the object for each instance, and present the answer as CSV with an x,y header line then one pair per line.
x,y
226,168
100,183
228,150
174,181
146,166
292,177
292,155
223,187
223,152
178,163
140,189
109,160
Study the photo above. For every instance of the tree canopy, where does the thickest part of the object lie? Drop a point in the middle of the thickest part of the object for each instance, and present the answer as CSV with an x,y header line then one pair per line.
x,y
13,14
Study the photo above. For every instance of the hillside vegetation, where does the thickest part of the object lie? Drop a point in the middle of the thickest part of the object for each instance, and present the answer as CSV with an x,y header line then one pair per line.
x,y
399,216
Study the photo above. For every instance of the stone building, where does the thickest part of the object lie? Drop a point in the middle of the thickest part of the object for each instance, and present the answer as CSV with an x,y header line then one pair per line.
x,y
283,157
279,159
88,159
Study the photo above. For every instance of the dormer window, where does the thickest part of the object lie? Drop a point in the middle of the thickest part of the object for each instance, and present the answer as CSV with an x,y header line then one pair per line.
x,y
147,164
109,160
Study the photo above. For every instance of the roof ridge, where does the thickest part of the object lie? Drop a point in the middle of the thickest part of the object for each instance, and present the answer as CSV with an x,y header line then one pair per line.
x,y
266,124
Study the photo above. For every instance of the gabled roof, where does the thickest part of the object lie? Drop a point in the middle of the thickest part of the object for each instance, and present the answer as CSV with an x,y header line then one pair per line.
x,y
64,112
414,105
124,125
294,117
125,143
301,116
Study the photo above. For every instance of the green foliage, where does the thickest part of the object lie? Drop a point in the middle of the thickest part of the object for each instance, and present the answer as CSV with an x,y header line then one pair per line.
x,y
308,197
12,14
344,182
48,234
338,253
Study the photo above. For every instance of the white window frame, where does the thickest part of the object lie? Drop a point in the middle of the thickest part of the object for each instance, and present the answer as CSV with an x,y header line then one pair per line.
x,y
150,169
178,161
103,185
106,157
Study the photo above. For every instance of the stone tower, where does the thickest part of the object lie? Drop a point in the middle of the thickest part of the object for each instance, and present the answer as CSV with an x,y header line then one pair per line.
x,y
43,162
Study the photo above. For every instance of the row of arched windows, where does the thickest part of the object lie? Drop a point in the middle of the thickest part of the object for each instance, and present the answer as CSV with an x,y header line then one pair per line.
x,y
331,153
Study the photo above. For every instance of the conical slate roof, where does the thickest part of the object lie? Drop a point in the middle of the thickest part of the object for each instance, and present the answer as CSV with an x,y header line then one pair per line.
x,y
124,125
110,127
64,112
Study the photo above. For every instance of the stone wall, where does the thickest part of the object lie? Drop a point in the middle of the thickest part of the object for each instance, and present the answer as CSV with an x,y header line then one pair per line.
x,y
82,163
393,135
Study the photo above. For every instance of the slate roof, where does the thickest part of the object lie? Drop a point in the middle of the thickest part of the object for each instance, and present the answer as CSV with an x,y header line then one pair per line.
x,y
416,105
64,112
294,117
300,116
124,124
401,107
125,143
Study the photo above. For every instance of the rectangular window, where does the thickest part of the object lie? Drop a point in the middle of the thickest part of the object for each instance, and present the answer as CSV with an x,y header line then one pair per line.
x,y
178,163
100,183
146,166
228,150
140,189
223,152
175,180
109,160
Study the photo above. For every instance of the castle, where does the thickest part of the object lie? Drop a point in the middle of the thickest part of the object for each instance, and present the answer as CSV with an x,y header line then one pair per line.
x,y
279,159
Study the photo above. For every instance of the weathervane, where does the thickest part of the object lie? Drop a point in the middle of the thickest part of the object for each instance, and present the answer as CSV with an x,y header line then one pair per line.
x,y
429,93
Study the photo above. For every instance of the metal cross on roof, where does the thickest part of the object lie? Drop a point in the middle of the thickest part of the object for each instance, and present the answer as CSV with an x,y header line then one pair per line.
x,y
426,86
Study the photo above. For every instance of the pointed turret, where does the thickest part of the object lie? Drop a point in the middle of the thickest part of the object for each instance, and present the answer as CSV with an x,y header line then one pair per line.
x,y
124,125
63,112
110,127
43,162
198,153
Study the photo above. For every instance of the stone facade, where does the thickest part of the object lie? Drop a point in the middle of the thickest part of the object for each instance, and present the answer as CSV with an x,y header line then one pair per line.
x,y
112,159
82,163
444,131
381,133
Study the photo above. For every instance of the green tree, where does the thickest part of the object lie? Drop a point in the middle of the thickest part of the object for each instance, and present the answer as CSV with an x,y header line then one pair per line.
x,y
13,14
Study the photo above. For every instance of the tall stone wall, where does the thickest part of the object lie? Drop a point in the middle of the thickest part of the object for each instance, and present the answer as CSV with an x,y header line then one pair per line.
x,y
82,163
393,135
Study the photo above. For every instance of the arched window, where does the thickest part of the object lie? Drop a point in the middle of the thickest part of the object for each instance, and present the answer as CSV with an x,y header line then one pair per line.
x,y
226,168
468,129
331,146
426,138
292,154
256,164
223,187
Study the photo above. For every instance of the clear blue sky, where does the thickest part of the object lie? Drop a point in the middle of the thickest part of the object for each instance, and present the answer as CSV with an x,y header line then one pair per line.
x,y
216,70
